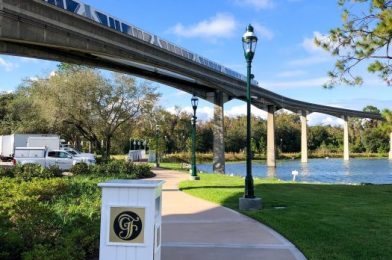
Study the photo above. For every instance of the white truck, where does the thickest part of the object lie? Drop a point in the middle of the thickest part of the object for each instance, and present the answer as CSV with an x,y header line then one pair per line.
x,y
76,153
9,142
47,158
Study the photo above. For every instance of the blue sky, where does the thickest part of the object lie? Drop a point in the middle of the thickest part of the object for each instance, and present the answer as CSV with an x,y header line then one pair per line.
x,y
286,59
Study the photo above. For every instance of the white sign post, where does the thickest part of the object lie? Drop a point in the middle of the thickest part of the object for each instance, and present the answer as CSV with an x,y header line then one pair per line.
x,y
131,220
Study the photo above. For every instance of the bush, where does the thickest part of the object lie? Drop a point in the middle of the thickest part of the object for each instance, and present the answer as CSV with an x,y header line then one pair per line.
x,y
29,171
52,171
57,218
80,168
49,218
7,172
122,169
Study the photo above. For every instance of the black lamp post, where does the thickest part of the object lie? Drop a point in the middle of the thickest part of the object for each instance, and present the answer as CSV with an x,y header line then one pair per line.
x,y
158,131
249,42
194,102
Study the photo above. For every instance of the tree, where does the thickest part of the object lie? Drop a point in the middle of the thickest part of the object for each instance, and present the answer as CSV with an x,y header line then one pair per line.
x,y
96,106
20,115
288,132
365,35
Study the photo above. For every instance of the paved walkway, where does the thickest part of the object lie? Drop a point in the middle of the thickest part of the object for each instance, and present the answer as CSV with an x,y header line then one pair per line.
x,y
195,229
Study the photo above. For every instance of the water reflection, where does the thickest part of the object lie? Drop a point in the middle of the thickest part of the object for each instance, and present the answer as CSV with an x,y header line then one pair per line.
x,y
271,172
305,169
346,167
318,170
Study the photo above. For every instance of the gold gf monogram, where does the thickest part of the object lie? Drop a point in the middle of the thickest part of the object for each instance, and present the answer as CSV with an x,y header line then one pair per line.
x,y
127,225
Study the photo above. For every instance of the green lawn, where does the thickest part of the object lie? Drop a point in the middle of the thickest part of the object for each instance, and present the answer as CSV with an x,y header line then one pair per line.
x,y
323,221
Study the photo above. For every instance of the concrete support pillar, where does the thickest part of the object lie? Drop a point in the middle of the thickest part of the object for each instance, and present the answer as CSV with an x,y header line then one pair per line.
x,y
218,99
271,147
390,146
304,137
346,150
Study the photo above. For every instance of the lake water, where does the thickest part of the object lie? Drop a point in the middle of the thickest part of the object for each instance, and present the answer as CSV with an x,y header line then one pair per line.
x,y
376,171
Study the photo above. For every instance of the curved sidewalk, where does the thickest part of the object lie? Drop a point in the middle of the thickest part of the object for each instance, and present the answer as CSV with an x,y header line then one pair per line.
x,y
195,229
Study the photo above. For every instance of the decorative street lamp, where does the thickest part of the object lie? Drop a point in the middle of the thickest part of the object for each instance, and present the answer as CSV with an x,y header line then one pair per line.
x,y
249,201
194,102
158,131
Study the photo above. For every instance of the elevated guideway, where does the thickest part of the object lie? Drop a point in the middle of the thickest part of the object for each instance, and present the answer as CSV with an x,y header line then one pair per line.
x,y
38,29
70,31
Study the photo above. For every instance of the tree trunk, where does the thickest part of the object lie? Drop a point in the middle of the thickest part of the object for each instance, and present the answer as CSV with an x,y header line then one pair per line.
x,y
107,148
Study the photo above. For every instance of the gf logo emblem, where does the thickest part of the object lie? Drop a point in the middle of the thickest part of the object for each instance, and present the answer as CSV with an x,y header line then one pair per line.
x,y
127,225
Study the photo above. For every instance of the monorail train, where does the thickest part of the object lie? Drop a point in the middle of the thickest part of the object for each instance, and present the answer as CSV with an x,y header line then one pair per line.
x,y
77,7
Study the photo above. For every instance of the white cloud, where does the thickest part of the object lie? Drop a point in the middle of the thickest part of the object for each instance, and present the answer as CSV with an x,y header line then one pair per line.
x,y
312,82
241,110
257,4
203,113
309,45
323,119
291,73
8,66
262,31
221,25
317,54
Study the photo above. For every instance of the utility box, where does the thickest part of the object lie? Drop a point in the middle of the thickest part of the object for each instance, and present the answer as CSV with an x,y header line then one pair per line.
x,y
131,220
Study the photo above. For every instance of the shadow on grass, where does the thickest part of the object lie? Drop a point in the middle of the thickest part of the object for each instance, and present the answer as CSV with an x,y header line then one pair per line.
x,y
323,221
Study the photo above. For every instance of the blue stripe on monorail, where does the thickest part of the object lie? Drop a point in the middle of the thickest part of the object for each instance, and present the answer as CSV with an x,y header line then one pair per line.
x,y
76,6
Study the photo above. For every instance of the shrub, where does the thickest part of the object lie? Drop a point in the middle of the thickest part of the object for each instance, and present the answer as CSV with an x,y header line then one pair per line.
x,y
49,218
122,169
52,171
29,171
7,171
80,168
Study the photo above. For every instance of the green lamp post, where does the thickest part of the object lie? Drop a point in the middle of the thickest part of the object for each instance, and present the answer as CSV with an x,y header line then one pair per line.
x,y
249,201
194,102
158,131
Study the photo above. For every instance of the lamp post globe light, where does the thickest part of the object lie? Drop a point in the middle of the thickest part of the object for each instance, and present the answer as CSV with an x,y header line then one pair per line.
x,y
195,102
249,201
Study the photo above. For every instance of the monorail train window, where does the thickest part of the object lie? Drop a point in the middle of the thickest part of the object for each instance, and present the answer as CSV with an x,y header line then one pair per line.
x,y
163,43
126,29
178,50
58,3
102,18
171,47
147,37
111,23
118,27
140,34
156,40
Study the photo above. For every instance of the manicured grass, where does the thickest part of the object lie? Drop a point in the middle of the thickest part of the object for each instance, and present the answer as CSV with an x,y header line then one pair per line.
x,y
323,221
173,166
